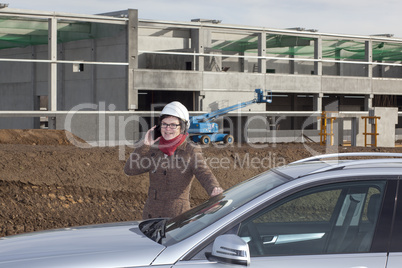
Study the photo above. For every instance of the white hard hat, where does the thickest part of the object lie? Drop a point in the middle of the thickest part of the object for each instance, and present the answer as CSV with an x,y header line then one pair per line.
x,y
178,110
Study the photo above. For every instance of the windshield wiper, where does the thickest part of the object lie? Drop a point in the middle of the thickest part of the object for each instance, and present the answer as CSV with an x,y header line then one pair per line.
x,y
155,229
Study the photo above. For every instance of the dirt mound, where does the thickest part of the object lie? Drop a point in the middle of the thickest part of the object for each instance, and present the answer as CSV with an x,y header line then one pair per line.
x,y
38,137
45,186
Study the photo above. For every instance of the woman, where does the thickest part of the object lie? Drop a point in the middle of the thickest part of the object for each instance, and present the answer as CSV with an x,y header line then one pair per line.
x,y
172,162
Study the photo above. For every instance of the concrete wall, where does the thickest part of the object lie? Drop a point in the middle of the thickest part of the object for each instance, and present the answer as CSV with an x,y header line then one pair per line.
x,y
22,83
17,87
96,83
103,129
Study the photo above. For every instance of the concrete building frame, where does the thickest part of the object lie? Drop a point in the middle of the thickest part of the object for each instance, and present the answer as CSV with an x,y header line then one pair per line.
x,y
202,63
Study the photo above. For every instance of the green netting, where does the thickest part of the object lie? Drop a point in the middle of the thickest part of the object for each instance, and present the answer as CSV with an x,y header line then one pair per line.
x,y
295,46
387,51
343,49
22,32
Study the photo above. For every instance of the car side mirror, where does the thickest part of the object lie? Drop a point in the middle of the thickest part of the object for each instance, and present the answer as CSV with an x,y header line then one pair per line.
x,y
229,249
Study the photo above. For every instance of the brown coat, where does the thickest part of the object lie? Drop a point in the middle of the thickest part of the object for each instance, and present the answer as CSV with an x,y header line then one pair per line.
x,y
170,177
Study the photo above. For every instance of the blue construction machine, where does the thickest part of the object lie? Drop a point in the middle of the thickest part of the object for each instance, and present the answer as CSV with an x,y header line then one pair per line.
x,y
203,130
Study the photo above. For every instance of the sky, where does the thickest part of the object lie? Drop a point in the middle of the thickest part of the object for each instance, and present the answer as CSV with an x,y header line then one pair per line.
x,y
354,17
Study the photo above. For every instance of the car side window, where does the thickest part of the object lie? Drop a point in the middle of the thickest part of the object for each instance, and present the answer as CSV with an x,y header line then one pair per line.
x,y
335,218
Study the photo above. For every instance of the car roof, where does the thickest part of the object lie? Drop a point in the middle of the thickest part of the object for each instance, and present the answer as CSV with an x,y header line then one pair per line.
x,y
330,162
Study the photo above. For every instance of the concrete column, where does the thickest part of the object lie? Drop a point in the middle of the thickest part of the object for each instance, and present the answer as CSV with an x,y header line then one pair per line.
x,y
35,97
132,36
200,101
317,106
262,43
292,62
380,69
318,56
243,63
338,131
386,125
197,43
354,130
132,91
338,65
369,58
93,89
52,55
368,102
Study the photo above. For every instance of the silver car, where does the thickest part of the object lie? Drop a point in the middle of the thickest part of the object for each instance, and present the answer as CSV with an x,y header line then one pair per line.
x,y
317,212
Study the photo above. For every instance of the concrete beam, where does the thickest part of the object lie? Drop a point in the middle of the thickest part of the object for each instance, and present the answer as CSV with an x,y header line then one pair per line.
x,y
193,80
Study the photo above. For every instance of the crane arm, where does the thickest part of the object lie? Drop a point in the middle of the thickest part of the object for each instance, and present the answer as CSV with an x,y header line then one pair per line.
x,y
215,114
259,98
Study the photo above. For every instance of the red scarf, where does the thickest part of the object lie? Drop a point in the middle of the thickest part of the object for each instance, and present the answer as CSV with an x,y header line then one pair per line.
x,y
169,146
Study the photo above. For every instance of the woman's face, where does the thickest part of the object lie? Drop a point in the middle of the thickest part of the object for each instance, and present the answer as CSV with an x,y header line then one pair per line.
x,y
169,132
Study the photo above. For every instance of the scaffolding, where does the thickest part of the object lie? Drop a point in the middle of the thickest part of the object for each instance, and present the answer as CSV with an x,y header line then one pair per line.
x,y
324,134
374,133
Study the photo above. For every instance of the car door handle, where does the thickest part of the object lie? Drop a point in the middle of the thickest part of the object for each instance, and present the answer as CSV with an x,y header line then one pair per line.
x,y
290,238
269,239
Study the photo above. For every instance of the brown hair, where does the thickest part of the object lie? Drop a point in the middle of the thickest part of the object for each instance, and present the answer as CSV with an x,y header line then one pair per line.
x,y
183,128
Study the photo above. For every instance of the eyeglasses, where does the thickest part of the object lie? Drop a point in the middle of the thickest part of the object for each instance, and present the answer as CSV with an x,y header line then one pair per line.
x,y
171,126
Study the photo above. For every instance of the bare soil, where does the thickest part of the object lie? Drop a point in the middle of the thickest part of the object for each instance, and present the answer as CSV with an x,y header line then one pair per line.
x,y
46,182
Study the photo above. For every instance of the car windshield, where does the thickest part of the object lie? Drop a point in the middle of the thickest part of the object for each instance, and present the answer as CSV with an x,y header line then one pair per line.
x,y
196,219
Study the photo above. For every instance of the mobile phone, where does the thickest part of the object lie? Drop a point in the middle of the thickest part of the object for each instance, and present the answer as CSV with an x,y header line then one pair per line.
x,y
157,132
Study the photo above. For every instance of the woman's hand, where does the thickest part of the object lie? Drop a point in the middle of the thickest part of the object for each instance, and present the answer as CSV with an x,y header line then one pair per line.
x,y
148,140
216,191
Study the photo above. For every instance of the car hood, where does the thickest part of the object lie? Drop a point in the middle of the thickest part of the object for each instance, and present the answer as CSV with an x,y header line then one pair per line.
x,y
108,245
